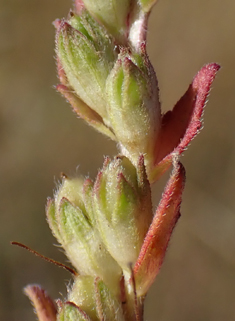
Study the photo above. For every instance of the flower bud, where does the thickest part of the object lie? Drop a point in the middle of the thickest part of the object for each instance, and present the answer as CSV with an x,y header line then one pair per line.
x,y
82,294
96,299
122,203
78,191
115,93
71,312
86,53
133,105
112,14
71,219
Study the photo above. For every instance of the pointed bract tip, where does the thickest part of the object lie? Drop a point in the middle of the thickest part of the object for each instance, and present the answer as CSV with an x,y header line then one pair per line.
x,y
157,238
44,306
56,23
183,123
205,76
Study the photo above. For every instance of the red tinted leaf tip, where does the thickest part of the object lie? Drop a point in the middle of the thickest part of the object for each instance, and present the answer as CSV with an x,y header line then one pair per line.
x,y
156,241
180,125
44,306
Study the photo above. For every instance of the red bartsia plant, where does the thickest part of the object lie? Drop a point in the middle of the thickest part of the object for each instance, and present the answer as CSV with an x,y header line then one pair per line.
x,y
107,227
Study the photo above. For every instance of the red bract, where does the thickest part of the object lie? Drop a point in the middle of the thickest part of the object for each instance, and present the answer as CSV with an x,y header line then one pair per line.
x,y
178,128
44,306
156,241
182,124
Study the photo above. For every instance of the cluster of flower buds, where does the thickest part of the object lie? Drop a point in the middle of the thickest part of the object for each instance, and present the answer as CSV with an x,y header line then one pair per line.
x,y
108,228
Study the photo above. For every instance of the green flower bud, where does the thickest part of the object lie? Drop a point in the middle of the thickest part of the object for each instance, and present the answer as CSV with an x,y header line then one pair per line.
x,y
82,294
86,53
122,203
115,93
112,14
133,105
96,299
71,219
78,191
71,312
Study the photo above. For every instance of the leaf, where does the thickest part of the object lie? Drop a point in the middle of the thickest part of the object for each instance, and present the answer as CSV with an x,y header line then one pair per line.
x,y
156,241
184,122
44,306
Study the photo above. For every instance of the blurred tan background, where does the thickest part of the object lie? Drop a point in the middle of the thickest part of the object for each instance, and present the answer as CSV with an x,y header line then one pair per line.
x,y
41,137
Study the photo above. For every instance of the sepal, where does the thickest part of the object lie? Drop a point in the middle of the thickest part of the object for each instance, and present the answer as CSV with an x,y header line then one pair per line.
x,y
113,14
133,105
96,299
123,207
71,312
72,221
108,306
86,54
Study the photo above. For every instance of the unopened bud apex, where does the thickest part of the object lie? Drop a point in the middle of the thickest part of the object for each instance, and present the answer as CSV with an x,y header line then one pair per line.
x,y
96,299
71,312
112,14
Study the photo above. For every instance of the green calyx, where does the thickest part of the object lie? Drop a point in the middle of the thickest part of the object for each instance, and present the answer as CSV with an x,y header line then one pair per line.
x,y
71,312
94,298
123,208
86,53
112,14
71,219
133,105
112,87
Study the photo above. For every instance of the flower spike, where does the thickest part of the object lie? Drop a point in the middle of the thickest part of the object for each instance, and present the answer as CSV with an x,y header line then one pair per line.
x,y
107,227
